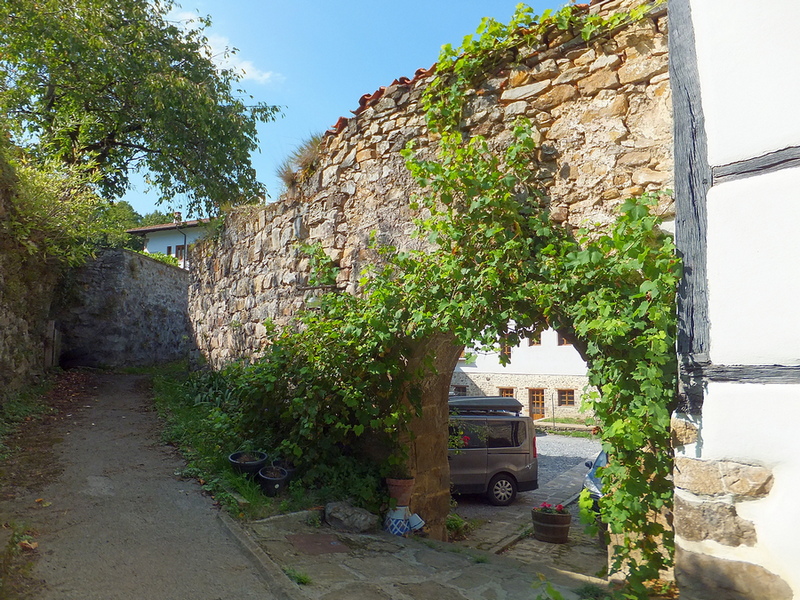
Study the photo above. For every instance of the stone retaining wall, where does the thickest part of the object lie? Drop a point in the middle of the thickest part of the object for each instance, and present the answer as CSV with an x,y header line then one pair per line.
x,y
602,115
603,121
26,290
125,309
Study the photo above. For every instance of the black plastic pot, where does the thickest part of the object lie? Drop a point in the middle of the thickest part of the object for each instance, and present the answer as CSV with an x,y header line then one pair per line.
x,y
287,466
248,463
272,480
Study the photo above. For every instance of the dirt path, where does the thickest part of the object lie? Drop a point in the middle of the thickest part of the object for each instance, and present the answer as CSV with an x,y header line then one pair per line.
x,y
116,523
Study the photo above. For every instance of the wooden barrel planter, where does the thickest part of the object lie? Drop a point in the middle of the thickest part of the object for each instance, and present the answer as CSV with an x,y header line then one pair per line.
x,y
551,527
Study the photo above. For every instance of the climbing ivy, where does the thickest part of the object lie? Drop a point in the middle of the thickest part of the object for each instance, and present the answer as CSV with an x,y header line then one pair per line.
x,y
611,293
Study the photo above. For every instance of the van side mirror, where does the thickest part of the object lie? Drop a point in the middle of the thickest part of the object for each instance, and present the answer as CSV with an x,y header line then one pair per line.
x,y
588,463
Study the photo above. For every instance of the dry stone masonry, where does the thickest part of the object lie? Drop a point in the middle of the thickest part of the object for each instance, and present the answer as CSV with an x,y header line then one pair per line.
x,y
602,117
125,309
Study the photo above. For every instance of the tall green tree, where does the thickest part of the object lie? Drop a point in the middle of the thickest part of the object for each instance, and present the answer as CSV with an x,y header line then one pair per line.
x,y
115,85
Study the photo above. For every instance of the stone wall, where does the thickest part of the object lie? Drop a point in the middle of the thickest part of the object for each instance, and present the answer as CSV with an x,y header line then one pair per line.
x,y
26,291
125,309
710,497
603,121
602,114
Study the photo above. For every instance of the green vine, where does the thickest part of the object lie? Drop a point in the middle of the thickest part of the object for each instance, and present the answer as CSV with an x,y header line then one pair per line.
x,y
495,44
612,293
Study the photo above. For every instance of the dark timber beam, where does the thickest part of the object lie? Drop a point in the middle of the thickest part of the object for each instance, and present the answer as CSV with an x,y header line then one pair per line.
x,y
693,179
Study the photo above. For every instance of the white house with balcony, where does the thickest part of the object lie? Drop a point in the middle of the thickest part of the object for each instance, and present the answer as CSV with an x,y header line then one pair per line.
x,y
545,373
172,239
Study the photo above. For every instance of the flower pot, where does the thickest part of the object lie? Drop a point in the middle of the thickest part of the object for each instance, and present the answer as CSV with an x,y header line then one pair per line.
x,y
247,463
551,527
287,466
400,490
272,480
396,521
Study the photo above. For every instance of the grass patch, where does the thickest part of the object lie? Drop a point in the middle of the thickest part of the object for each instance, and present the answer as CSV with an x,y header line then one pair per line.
x,y
205,437
18,408
563,420
459,528
298,577
569,433
16,564
590,591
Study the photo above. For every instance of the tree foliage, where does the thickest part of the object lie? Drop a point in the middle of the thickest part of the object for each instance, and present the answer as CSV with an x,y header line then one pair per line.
x,y
114,85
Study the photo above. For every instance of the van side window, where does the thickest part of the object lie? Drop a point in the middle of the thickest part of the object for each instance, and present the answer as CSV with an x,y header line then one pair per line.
x,y
505,434
472,435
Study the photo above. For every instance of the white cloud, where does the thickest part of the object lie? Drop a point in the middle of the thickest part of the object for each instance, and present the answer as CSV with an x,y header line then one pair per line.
x,y
220,54
220,51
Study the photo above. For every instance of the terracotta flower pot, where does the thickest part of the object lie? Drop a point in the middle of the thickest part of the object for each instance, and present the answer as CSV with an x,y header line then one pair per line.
x,y
551,527
400,490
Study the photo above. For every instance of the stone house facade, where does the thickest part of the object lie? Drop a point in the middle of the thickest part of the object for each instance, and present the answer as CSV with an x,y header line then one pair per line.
x,y
546,374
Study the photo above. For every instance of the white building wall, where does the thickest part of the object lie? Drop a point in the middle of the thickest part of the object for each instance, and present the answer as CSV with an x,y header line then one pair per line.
x,y
748,60
754,269
157,241
757,424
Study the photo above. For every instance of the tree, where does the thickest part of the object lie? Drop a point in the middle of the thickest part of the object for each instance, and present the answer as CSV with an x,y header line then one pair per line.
x,y
116,86
111,220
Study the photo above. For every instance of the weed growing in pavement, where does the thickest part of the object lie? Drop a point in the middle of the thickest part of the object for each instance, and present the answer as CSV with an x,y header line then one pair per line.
x,y
14,566
298,577
590,591
459,528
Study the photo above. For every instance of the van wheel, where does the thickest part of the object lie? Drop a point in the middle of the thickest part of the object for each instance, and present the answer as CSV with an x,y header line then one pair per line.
x,y
502,490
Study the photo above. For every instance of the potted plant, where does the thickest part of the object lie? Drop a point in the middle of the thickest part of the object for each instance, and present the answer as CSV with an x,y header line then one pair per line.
x,y
551,523
400,484
287,465
247,462
272,480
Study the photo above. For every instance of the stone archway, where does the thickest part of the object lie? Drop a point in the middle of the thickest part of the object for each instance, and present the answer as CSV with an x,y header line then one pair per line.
x,y
602,120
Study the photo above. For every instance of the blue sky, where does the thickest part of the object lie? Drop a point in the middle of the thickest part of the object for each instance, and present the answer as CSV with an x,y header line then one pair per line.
x,y
315,58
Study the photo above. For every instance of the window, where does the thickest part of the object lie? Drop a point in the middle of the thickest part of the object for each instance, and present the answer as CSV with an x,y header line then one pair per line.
x,y
536,402
566,397
169,250
536,340
505,434
473,434
459,390
179,251
505,392
562,341
505,350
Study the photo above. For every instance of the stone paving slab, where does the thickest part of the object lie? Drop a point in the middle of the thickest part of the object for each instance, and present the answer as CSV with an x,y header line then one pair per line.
x,y
381,566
